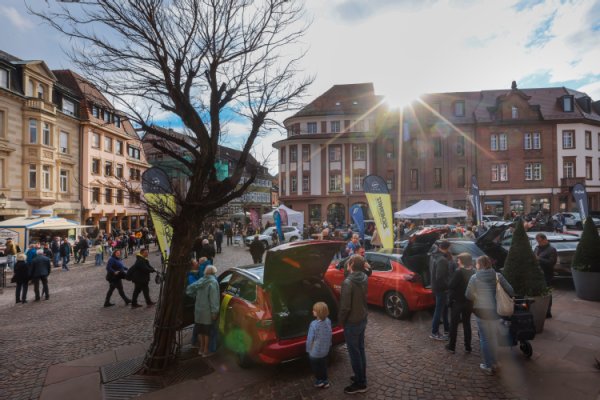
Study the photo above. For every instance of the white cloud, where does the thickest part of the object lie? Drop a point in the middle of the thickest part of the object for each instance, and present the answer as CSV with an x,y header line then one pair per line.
x,y
15,18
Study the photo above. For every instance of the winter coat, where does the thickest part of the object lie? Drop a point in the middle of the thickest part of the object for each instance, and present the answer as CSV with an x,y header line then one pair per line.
x,y
140,271
206,293
219,236
257,248
458,285
353,299
113,265
40,266
22,272
11,249
481,290
207,251
547,257
31,254
65,249
55,247
318,340
439,272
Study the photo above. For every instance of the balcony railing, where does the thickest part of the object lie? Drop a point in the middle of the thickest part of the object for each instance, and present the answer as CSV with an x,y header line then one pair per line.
x,y
40,104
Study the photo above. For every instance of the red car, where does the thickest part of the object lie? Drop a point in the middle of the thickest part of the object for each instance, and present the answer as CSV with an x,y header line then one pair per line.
x,y
266,309
392,285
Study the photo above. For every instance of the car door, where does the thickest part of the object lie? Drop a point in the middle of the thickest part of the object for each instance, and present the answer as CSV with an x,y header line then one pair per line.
x,y
335,276
380,277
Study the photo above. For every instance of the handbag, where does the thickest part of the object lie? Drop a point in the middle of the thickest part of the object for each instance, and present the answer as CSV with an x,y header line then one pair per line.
x,y
505,305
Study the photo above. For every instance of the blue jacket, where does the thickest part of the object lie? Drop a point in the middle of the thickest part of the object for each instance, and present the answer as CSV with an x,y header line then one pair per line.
x,y
31,253
318,341
113,265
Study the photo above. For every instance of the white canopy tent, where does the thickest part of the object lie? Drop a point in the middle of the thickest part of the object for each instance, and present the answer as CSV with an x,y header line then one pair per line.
x,y
426,209
295,218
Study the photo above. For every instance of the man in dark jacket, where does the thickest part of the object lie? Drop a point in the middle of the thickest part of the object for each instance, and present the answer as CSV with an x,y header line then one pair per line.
x,y
65,253
55,248
353,316
207,251
83,248
461,308
140,275
219,239
439,270
257,249
547,257
40,269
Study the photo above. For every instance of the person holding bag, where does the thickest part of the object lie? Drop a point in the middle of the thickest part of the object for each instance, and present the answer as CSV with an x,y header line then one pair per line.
x,y
115,272
481,290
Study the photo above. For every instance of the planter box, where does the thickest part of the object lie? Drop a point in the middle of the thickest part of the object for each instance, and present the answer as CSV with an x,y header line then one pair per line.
x,y
587,285
539,308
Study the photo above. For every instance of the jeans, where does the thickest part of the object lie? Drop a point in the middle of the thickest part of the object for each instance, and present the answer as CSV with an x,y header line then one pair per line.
x,y
10,261
440,312
488,340
21,292
355,341
460,312
56,259
319,368
98,259
65,262
36,287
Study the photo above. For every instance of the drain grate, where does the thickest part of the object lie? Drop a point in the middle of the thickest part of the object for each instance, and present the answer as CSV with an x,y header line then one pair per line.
x,y
194,368
131,386
121,369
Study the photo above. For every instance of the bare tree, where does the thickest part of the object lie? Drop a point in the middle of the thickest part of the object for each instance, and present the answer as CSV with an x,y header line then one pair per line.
x,y
201,61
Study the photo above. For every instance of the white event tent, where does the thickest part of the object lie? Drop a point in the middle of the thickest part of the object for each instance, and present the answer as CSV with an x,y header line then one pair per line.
x,y
295,218
426,209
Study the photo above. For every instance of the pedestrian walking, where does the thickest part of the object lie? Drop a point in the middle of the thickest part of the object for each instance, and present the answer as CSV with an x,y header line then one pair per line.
x,y
460,307
207,251
82,250
55,248
219,240
40,269
206,310
65,253
139,273
439,271
257,249
318,344
229,234
547,256
99,254
115,272
21,276
481,290
353,317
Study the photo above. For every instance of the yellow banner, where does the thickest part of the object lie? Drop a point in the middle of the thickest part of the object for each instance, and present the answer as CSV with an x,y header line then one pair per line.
x,y
381,208
224,304
164,232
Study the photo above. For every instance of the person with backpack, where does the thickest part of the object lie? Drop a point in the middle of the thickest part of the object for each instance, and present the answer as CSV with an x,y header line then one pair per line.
x,y
139,274
115,272
460,307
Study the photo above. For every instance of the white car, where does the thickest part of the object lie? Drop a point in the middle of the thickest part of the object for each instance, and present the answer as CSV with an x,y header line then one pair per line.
x,y
490,219
290,234
573,219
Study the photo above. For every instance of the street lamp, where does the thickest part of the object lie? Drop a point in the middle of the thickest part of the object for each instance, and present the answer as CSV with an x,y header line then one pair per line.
x,y
2,200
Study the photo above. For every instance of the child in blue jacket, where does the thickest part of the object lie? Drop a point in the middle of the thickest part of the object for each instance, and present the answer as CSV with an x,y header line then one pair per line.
x,y
318,344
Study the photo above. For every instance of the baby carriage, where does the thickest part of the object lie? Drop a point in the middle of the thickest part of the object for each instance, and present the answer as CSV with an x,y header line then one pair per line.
x,y
519,327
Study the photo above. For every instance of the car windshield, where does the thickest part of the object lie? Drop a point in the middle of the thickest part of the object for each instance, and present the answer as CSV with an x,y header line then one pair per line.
x,y
465,247
572,246
256,271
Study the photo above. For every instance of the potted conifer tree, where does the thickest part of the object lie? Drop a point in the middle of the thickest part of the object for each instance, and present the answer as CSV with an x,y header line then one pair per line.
x,y
522,271
586,263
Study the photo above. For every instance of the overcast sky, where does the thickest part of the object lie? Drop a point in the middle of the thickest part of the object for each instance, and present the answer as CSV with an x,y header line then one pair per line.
x,y
406,47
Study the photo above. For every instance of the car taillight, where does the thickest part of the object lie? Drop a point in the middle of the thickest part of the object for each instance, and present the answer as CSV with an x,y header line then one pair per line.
x,y
264,324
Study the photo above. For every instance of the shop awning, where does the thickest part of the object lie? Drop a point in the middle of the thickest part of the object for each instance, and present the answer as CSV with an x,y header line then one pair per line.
x,y
50,223
60,226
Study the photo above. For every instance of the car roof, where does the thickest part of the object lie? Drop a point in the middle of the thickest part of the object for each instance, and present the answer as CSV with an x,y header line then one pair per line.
x,y
253,272
555,236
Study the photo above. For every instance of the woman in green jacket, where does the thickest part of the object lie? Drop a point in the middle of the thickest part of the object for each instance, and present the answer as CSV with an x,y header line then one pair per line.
x,y
206,310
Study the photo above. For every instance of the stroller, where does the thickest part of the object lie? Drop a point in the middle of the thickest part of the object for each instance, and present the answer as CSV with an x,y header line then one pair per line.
x,y
519,327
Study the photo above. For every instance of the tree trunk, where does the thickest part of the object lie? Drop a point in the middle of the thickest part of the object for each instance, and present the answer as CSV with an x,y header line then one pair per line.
x,y
168,316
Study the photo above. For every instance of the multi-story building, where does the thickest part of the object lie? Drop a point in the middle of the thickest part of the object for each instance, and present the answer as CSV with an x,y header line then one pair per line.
x,y
112,160
39,141
258,195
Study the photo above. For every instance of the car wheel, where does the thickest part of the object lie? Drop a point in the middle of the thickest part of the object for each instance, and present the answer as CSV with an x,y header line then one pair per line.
x,y
293,239
395,305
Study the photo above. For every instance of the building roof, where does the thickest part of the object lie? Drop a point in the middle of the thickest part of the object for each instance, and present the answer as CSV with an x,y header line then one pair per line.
x,y
8,57
83,87
350,99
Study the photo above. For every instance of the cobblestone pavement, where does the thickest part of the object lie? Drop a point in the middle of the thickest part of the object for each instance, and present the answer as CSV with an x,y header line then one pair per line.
x,y
402,361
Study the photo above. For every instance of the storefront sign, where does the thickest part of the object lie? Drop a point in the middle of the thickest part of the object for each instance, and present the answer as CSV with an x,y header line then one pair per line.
x,y
41,212
6,234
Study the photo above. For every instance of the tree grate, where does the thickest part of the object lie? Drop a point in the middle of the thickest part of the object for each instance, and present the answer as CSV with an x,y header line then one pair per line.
x,y
131,386
121,369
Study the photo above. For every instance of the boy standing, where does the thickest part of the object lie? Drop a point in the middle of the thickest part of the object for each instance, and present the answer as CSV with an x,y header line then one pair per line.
x,y
318,343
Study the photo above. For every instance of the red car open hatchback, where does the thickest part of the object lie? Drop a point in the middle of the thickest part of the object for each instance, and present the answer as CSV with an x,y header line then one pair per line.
x,y
266,309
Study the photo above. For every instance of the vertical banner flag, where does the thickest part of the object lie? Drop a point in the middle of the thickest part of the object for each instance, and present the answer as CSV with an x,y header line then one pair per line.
x,y
359,219
159,195
581,198
254,218
284,216
277,219
476,200
380,203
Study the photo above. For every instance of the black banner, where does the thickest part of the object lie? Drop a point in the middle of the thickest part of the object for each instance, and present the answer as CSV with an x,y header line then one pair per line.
x,y
581,198
476,201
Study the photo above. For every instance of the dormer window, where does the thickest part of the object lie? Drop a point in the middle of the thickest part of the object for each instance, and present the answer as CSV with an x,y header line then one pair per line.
x,y
337,103
40,91
68,107
3,78
355,103
514,112
107,116
117,121
568,103
30,88
459,109
95,112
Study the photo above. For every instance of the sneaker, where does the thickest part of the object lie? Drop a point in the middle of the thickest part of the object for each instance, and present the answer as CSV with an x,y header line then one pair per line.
x,y
109,304
445,336
436,336
326,385
486,370
319,384
450,350
354,388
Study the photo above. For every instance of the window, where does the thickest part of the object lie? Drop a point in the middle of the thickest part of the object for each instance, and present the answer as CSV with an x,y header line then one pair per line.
x,y
414,179
2,119
32,176
459,109
3,78
95,166
537,141
588,168
389,148
357,180
119,147
588,140
437,178
568,103
135,198
568,169
40,91
306,152
119,171
133,152
461,178
311,127
96,140
108,196
358,125
106,115
293,154
568,139
95,112
96,195
533,171
390,180
460,146
499,172
282,155
108,144
335,153
63,142
514,112
68,107
437,147
335,126
532,141
134,174
293,183
494,142
46,134
32,131
46,177
305,183
119,196
502,142
117,120
359,152
108,168
64,181
335,183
